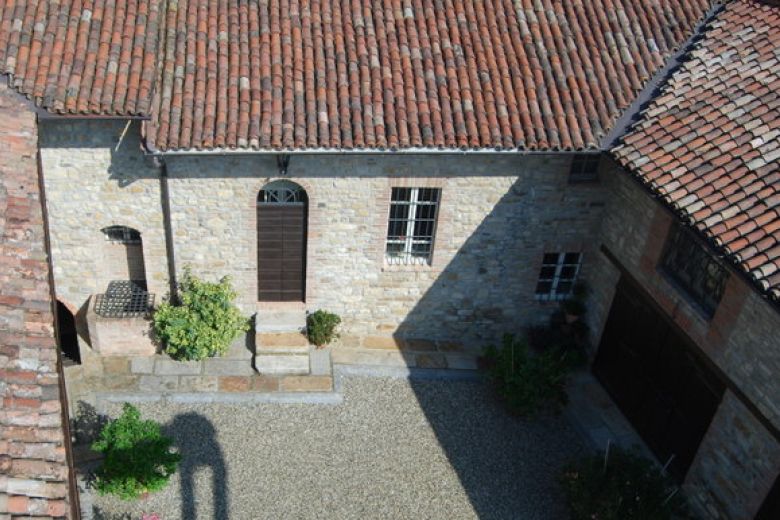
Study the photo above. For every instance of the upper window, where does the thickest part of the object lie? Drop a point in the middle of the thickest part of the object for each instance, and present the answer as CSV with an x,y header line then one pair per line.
x,y
412,225
122,235
584,167
557,276
691,266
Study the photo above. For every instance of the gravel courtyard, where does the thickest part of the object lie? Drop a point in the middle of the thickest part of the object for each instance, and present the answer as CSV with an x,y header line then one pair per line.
x,y
393,449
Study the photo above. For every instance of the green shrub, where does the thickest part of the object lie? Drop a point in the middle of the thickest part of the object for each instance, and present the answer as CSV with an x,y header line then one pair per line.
x,y
527,383
204,324
621,486
137,456
321,327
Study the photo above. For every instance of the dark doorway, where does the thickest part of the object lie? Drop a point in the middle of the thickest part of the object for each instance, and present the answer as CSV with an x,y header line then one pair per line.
x,y
281,242
653,373
66,332
770,510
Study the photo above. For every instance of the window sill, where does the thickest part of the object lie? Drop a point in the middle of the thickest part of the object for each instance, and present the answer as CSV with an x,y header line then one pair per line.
x,y
411,267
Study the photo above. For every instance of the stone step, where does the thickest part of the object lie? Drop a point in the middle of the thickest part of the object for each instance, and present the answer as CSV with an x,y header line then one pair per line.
x,y
281,342
239,349
296,364
280,318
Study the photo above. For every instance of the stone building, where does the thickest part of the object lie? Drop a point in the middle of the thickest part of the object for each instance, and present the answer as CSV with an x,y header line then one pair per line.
x,y
438,174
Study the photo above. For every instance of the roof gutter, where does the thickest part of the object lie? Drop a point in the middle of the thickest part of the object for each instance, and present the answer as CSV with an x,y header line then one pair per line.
x,y
337,151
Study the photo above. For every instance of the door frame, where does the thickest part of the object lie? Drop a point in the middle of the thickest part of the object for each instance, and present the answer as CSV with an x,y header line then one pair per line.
x,y
303,200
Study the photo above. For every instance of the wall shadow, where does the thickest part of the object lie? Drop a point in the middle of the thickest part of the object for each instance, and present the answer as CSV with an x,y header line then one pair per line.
x,y
509,467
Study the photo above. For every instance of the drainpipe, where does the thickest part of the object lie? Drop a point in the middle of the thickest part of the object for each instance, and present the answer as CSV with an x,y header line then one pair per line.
x,y
165,203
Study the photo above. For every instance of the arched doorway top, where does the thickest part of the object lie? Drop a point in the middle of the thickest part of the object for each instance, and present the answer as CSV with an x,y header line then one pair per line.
x,y
282,192
122,234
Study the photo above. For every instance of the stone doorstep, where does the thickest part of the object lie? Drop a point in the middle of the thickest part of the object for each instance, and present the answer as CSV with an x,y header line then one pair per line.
x,y
296,364
280,318
292,342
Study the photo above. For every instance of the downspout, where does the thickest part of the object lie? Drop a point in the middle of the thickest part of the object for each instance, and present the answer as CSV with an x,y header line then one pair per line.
x,y
165,204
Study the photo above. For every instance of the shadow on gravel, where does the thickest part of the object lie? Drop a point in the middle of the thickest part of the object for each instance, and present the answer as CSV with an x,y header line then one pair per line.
x,y
509,467
196,440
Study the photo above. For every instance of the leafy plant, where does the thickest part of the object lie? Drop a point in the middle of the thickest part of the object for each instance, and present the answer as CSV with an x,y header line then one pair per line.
x,y
321,327
137,456
204,324
621,485
527,383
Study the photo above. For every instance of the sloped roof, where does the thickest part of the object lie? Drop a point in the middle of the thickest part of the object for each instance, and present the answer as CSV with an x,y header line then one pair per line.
x,y
709,144
363,74
73,57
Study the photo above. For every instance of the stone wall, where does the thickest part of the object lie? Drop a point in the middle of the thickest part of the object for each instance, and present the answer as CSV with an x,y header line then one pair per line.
x,y
96,176
33,465
741,339
736,465
498,215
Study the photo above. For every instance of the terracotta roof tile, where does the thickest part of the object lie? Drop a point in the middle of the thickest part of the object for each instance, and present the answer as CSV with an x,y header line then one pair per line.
x,y
90,57
380,74
722,111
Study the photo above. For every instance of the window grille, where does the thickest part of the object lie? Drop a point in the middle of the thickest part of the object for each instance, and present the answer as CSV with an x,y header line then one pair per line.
x,y
694,270
558,275
412,225
584,167
282,192
124,299
122,235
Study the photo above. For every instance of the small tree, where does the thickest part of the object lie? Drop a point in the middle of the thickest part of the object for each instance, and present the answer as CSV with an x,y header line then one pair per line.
x,y
204,324
138,457
527,383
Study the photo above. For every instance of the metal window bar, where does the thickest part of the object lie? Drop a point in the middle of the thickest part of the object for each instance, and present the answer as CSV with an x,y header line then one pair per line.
x,y
411,225
557,276
697,273
124,299
122,235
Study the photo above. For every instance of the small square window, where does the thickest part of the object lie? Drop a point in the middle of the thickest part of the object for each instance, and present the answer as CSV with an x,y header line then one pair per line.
x,y
585,167
557,276
411,226
690,265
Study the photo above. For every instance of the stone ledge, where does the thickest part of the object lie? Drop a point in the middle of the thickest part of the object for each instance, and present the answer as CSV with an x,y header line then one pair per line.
x,y
306,384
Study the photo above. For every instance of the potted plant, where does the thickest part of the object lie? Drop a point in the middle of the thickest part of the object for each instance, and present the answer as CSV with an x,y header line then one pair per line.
x,y
573,309
321,327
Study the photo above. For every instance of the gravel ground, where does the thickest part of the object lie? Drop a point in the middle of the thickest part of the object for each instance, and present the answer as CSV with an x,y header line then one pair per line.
x,y
394,449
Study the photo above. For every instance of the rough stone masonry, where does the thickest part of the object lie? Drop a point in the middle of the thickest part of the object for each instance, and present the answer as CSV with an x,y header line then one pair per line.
x,y
33,465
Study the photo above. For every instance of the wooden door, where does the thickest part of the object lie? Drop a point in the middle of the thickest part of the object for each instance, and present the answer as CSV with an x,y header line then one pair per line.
x,y
281,252
653,373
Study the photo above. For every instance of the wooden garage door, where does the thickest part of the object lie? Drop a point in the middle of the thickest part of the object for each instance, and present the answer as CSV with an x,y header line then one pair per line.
x,y
652,372
281,251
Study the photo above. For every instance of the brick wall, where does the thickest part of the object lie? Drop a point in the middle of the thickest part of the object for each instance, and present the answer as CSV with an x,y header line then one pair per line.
x,y
33,467
739,455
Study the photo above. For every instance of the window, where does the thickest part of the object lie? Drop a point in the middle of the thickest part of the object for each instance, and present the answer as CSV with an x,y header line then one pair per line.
x,y
412,224
584,167
557,276
122,235
690,266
